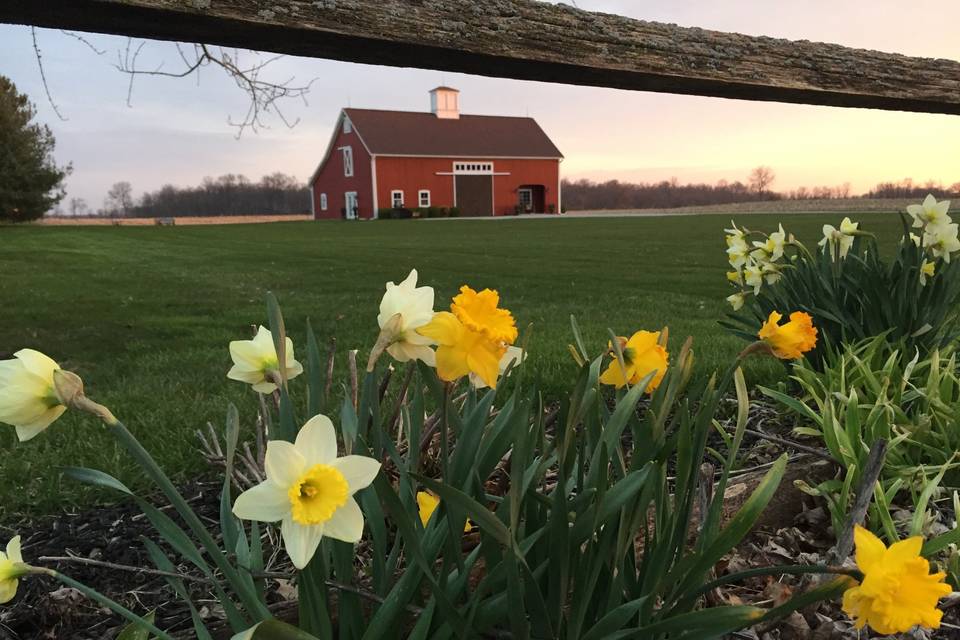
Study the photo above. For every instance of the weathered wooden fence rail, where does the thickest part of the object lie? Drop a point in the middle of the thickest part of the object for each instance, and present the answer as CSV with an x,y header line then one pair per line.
x,y
527,40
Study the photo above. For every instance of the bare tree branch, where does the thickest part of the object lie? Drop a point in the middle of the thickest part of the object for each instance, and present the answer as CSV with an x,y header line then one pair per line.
x,y
43,75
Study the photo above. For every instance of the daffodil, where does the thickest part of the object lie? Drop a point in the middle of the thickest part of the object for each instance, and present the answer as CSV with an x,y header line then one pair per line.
x,y
898,591
734,235
736,300
930,213
462,350
737,252
791,340
28,396
772,247
753,276
942,240
310,490
642,354
480,311
256,363
736,277
839,240
11,568
405,307
513,356
427,503
771,272
927,269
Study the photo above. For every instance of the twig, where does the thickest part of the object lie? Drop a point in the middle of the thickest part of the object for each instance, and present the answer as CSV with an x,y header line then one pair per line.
x,y
793,445
125,567
871,473
330,357
43,75
354,385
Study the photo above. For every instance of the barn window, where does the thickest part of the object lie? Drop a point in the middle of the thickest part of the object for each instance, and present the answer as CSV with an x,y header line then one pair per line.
x,y
323,202
424,197
396,198
347,127
347,161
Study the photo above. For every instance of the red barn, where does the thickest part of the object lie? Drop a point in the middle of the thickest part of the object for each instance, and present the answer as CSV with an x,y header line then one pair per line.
x,y
484,165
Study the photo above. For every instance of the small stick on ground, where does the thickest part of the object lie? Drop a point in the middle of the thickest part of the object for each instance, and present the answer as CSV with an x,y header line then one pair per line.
x,y
330,357
871,473
354,386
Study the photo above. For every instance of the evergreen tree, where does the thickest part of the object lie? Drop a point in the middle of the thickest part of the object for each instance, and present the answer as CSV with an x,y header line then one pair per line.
x,y
30,181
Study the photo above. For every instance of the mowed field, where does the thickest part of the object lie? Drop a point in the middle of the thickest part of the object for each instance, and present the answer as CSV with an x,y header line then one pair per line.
x,y
144,314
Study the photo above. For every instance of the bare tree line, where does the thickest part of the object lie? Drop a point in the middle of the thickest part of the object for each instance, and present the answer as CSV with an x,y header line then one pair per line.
x,y
228,195
665,194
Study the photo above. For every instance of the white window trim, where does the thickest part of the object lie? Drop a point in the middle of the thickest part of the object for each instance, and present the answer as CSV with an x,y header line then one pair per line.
x,y
529,193
393,198
420,195
347,161
473,168
323,202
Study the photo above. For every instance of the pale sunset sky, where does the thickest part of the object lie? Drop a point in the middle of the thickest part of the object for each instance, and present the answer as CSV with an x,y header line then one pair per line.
x,y
176,130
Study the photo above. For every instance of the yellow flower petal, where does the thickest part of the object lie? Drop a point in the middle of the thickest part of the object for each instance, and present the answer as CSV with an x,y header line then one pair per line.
x,y
480,312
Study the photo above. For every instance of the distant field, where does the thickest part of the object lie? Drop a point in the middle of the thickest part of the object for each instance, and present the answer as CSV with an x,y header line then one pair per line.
x,y
844,205
180,220
144,314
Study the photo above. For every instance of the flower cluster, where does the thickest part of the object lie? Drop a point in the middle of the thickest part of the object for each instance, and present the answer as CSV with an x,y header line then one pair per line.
x,y
754,263
938,233
838,242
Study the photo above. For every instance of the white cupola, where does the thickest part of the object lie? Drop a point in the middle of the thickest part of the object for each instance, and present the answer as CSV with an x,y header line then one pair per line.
x,y
445,103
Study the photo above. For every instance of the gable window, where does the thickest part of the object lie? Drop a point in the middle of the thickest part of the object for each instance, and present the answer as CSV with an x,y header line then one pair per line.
x,y
323,202
347,161
424,197
347,127
396,198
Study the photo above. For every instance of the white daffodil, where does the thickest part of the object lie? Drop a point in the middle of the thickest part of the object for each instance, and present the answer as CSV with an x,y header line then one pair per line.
x,y
734,235
11,568
513,355
736,300
841,238
772,247
310,490
927,269
736,277
28,397
915,239
753,276
941,240
930,213
256,363
414,306
771,272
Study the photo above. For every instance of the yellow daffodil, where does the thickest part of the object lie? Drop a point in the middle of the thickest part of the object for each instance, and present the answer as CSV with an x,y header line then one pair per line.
x,y
791,340
427,503
898,591
462,350
480,312
642,355
310,490
839,240
753,276
513,356
942,240
256,363
405,307
927,269
11,568
736,300
930,213
772,247
28,396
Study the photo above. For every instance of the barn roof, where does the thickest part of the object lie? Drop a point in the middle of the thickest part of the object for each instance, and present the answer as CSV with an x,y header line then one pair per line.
x,y
413,133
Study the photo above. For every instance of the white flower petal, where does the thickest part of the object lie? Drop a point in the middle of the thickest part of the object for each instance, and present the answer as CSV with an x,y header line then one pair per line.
x,y
31,429
246,354
13,549
283,463
37,363
300,541
317,441
346,523
248,634
266,502
359,471
237,372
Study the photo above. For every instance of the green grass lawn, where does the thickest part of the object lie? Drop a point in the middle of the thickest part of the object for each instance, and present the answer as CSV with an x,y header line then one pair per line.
x,y
144,314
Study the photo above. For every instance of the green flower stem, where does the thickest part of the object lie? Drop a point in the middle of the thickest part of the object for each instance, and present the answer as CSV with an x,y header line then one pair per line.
x,y
104,600
250,600
789,569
